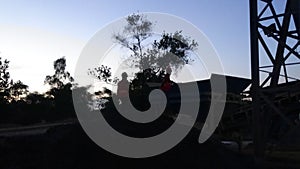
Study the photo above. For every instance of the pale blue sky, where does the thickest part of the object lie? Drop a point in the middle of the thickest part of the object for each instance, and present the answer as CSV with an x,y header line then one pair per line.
x,y
34,33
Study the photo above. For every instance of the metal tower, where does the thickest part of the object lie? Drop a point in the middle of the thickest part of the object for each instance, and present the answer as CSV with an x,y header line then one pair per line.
x,y
275,34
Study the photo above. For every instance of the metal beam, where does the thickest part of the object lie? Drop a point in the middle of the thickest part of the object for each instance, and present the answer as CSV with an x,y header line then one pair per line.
x,y
283,32
255,88
295,9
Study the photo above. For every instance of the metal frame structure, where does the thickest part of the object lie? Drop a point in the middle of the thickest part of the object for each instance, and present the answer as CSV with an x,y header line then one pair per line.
x,y
282,29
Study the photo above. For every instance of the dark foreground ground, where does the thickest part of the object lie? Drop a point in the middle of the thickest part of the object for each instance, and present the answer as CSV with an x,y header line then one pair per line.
x,y
68,147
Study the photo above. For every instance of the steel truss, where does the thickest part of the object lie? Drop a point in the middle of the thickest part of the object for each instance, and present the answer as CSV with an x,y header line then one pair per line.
x,y
269,27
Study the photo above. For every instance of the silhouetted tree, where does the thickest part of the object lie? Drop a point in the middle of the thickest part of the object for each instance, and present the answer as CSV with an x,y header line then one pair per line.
x,y
40,102
61,77
61,89
137,30
104,93
84,99
35,98
5,81
18,90
170,50
103,73
173,49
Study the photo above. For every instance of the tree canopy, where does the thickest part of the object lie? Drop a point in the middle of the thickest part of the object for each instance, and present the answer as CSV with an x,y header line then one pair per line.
x,y
5,81
170,50
61,77
17,90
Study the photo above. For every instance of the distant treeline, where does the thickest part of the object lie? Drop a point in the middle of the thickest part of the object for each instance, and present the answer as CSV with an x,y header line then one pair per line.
x,y
19,106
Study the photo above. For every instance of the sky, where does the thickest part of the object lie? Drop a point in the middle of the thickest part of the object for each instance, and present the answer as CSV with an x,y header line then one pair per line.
x,y
34,33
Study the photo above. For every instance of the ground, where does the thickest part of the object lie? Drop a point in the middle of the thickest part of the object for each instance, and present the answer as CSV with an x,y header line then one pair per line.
x,y
68,147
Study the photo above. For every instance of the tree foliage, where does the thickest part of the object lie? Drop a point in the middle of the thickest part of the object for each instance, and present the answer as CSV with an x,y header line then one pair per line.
x,y
61,89
5,81
168,50
103,73
61,77
137,30
18,106
17,90
173,49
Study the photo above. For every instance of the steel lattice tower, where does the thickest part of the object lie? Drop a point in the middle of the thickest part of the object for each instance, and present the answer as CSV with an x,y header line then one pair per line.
x,y
274,40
